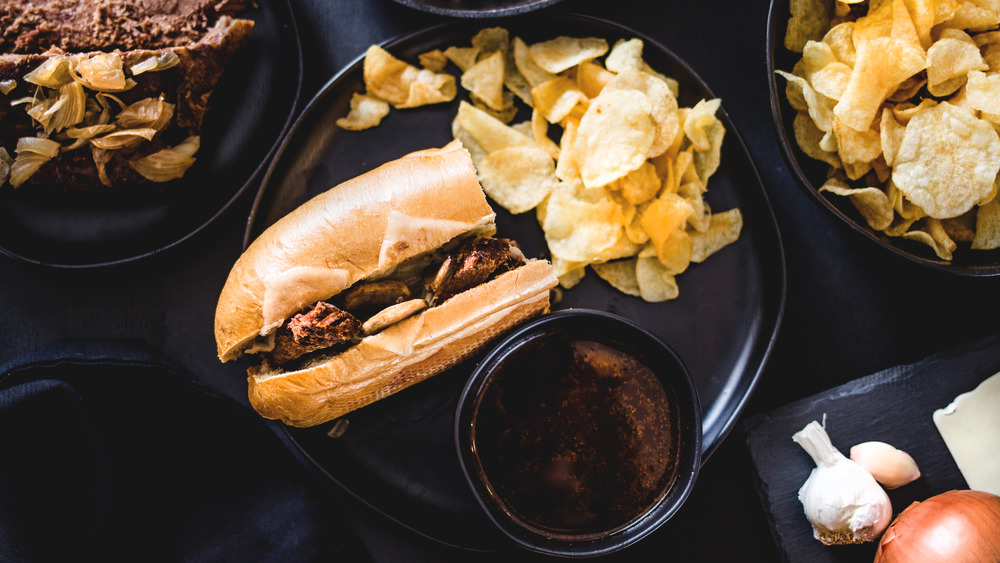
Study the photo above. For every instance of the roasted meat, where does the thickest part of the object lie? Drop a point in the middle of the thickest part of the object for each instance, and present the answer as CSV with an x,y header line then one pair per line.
x,y
34,26
476,261
322,326
202,44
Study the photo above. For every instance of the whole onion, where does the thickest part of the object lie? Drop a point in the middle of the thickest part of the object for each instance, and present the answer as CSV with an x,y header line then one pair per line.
x,y
956,526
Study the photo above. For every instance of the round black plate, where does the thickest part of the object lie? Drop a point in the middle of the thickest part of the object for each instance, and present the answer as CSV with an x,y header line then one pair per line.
x,y
811,173
477,8
250,110
397,454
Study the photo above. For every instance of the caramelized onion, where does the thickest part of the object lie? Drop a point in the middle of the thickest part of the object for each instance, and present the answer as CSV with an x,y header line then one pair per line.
x,y
5,162
123,139
102,72
32,153
156,63
956,526
54,72
153,113
168,164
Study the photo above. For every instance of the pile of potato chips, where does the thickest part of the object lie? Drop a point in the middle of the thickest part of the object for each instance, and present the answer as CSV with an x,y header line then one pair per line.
x,y
902,99
622,190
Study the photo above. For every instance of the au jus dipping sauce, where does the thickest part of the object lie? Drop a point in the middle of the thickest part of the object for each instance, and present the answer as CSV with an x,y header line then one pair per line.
x,y
575,435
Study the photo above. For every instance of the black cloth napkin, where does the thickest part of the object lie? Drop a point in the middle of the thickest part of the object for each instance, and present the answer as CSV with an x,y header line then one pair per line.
x,y
110,452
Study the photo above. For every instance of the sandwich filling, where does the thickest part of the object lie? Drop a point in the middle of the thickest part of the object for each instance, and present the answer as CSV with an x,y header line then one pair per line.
x,y
369,306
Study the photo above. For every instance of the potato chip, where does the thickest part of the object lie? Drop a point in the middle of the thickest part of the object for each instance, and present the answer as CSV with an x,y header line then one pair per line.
x,y
505,115
490,133
808,138
949,60
561,53
831,80
620,274
591,78
656,284
890,134
627,55
882,65
518,178
514,80
463,57
485,80
815,56
934,236
366,111
434,61
723,229
856,146
976,15
983,92
947,162
614,136
568,273
664,216
707,162
580,224
468,141
639,185
961,228
820,107
809,20
534,74
909,88
840,38
872,203
701,116
540,132
664,105
402,84
987,226
556,98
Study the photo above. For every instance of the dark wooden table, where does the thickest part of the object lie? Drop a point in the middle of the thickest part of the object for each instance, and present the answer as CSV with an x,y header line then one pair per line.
x,y
852,309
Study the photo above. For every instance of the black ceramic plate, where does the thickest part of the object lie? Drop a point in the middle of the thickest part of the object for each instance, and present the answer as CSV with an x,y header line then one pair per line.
x,y
251,108
893,406
811,173
397,454
477,8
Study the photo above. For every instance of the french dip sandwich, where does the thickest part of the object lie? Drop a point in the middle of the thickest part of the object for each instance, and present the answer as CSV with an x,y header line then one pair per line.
x,y
372,286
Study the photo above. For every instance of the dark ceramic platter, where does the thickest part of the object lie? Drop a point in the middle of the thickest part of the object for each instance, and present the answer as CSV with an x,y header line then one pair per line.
x,y
398,454
252,107
477,8
811,173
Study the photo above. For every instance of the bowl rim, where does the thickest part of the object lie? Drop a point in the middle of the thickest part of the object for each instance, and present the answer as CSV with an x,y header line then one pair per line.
x,y
669,501
773,34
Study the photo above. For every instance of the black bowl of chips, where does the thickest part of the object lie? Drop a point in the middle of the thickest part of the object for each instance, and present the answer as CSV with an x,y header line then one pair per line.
x,y
844,134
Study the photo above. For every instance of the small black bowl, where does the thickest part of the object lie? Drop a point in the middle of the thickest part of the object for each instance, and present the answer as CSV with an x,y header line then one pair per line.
x,y
811,174
533,389
477,8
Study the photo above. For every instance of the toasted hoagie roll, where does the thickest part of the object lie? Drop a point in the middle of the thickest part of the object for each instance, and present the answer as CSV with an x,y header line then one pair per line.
x,y
372,286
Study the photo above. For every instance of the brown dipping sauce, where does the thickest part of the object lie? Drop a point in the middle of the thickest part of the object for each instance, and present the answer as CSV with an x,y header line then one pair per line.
x,y
575,436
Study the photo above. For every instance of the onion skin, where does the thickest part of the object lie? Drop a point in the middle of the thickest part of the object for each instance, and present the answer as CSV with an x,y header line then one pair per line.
x,y
956,526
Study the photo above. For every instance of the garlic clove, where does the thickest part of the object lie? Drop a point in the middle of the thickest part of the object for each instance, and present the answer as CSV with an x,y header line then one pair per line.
x,y
889,466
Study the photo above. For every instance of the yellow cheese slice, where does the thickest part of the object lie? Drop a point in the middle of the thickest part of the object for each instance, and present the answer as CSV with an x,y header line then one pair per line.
x,y
970,426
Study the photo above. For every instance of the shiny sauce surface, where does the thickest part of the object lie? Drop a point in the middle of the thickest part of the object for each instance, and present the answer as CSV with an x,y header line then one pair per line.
x,y
575,435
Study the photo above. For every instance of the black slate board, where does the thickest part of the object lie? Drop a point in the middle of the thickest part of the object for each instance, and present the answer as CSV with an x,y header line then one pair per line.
x,y
894,406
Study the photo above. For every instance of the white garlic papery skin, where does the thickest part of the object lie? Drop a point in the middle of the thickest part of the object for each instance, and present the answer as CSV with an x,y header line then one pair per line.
x,y
888,465
841,499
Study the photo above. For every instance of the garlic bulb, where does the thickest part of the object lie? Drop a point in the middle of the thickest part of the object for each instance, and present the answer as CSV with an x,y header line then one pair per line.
x,y
841,499
889,466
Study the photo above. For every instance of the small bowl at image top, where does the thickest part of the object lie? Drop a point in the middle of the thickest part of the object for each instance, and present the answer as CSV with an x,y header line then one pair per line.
x,y
579,433
811,173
